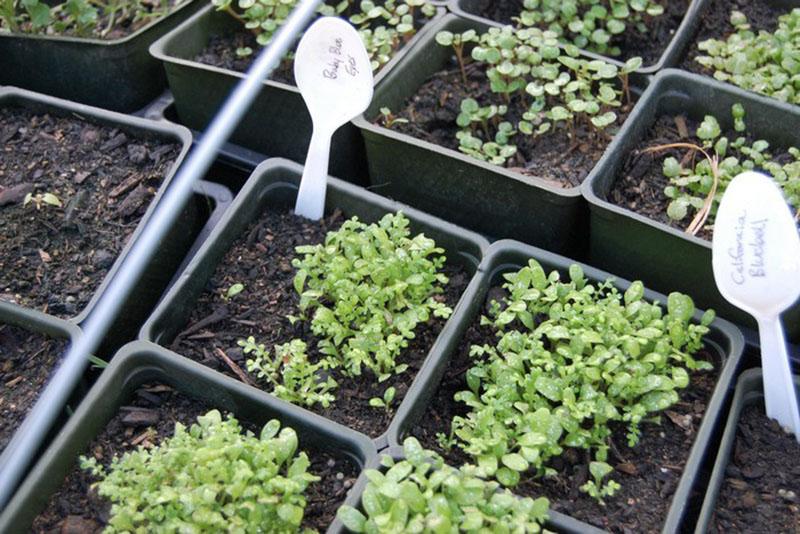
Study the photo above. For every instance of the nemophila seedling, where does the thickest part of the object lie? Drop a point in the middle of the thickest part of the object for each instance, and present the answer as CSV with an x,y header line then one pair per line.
x,y
82,18
211,477
589,24
363,291
763,62
555,87
422,494
386,401
389,119
40,199
697,184
384,26
572,359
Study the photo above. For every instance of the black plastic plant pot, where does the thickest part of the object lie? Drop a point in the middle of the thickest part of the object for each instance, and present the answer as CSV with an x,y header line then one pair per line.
x,y
119,75
749,392
487,198
278,123
557,522
667,258
140,363
49,327
203,209
670,56
273,186
724,342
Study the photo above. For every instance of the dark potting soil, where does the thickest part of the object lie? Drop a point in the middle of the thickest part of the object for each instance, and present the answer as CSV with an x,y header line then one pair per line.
x,y
261,260
761,491
649,473
53,258
220,51
649,45
147,420
641,182
26,361
715,24
432,111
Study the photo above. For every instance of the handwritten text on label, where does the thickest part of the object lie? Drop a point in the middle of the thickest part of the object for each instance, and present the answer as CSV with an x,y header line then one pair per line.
x,y
337,60
749,235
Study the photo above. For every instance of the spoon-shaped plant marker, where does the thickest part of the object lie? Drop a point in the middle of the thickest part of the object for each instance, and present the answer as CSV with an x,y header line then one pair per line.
x,y
756,260
334,75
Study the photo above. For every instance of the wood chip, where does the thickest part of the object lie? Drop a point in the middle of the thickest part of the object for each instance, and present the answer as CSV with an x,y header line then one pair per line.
x,y
233,367
680,123
139,417
16,194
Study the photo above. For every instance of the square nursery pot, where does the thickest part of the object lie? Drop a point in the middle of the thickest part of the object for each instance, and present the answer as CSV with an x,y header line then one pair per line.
x,y
724,341
557,522
119,74
749,392
50,328
141,363
666,258
487,198
278,123
201,212
669,57
273,186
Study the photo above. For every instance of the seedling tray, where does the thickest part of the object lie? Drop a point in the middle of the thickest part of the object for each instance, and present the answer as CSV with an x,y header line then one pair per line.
x,y
487,198
40,323
665,258
273,186
278,122
203,210
724,341
119,75
138,363
749,391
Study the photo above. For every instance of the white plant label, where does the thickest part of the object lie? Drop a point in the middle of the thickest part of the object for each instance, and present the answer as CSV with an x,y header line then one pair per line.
x,y
756,261
334,75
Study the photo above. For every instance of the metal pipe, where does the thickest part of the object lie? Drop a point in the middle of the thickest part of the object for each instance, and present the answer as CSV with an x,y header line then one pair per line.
x,y
22,448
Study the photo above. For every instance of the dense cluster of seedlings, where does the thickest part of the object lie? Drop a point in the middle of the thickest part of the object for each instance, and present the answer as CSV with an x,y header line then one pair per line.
x,y
422,494
698,181
384,26
81,18
363,291
589,24
537,86
211,477
763,62
572,359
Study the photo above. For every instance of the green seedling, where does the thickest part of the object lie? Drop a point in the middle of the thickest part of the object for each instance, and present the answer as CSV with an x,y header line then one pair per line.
x,y
389,119
212,477
422,494
458,41
572,359
290,373
232,291
386,401
40,199
763,62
